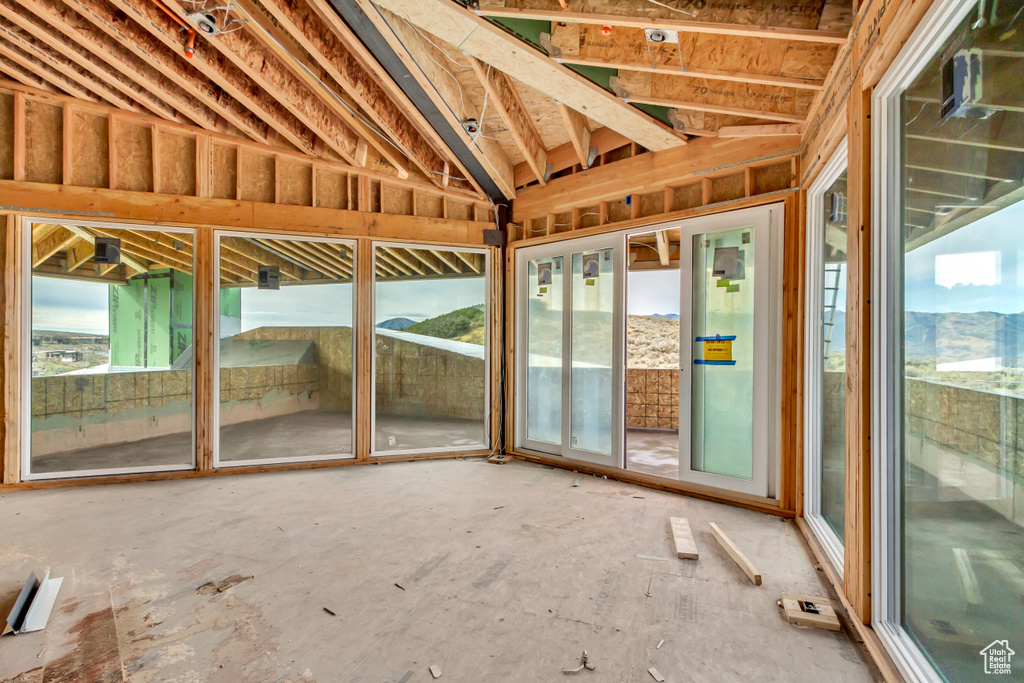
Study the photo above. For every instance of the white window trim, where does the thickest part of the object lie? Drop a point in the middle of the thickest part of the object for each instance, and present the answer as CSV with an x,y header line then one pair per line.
x,y
939,22
813,372
215,428
26,358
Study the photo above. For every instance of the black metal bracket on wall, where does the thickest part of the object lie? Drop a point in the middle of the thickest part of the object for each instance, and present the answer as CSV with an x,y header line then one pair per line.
x,y
356,18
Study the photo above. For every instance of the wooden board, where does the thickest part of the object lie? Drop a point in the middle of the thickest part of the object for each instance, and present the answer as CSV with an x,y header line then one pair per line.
x,y
826,618
736,554
686,546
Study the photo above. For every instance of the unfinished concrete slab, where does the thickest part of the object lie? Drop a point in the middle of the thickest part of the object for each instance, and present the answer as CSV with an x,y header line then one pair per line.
x,y
490,573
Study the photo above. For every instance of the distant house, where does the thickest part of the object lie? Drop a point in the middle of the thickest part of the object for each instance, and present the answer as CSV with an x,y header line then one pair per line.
x,y
66,355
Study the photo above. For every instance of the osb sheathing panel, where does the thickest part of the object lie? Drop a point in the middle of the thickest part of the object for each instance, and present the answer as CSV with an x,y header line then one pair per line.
x,y
686,197
590,216
459,211
429,205
651,204
374,197
177,164
257,181
133,157
618,211
295,183
331,189
44,126
396,200
729,187
90,163
225,170
6,137
546,117
772,178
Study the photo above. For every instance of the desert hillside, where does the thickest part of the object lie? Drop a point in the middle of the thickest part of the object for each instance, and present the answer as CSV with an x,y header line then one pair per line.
x,y
652,342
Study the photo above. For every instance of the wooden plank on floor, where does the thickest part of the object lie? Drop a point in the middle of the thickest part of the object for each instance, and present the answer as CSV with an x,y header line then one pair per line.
x,y
686,547
736,554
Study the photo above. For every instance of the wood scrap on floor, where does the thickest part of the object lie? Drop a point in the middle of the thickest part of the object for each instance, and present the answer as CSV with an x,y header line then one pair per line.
x,y
656,675
686,546
435,671
736,554
807,610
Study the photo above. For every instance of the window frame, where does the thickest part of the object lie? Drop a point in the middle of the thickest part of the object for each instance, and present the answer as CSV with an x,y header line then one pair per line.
x,y
813,371
938,23
215,426
490,396
27,223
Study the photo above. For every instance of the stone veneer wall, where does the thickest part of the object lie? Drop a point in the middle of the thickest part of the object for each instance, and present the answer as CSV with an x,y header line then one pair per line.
x,y
417,380
652,398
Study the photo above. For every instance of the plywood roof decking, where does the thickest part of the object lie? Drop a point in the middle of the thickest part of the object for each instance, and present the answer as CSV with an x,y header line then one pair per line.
x,y
66,251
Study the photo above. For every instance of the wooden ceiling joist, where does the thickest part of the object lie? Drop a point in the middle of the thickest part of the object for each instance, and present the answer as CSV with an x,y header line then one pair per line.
x,y
89,237
761,131
127,67
21,74
57,39
160,56
225,75
333,56
502,94
83,81
602,140
497,9
47,246
480,38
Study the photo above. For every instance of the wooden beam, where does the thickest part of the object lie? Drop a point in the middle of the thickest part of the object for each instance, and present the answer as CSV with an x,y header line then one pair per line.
x,y
490,44
579,133
663,247
565,156
736,554
11,295
784,129
648,173
713,74
492,8
502,94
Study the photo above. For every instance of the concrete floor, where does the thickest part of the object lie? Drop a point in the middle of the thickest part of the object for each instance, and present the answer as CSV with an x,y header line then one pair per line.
x,y
653,451
507,573
307,433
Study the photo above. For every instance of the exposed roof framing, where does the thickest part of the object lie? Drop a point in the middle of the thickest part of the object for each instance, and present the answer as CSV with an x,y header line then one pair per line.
x,y
650,15
19,74
490,44
505,98
29,64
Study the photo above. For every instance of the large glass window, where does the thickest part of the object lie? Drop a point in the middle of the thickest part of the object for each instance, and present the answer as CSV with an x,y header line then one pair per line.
x,y
544,353
430,357
286,349
109,350
955,267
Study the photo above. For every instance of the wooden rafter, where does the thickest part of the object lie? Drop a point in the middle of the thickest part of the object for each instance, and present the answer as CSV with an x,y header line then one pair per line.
x,y
496,8
603,140
663,247
226,75
82,80
56,37
480,38
9,55
579,133
265,69
502,94
129,67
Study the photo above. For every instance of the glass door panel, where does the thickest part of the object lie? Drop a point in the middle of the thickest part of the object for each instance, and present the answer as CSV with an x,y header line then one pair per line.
x,y
722,389
725,344
544,350
593,354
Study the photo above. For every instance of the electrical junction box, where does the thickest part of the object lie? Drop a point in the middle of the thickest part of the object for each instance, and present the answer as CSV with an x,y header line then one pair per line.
x,y
107,251
269,277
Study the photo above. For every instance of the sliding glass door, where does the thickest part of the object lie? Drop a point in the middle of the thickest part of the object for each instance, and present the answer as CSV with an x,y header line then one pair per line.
x,y
571,374
726,347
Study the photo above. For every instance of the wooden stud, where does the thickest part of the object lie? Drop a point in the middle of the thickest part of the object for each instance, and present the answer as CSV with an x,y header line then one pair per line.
x,y
204,166
705,191
736,554
364,348
112,152
11,298
154,139
20,136
682,536
748,182
67,126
